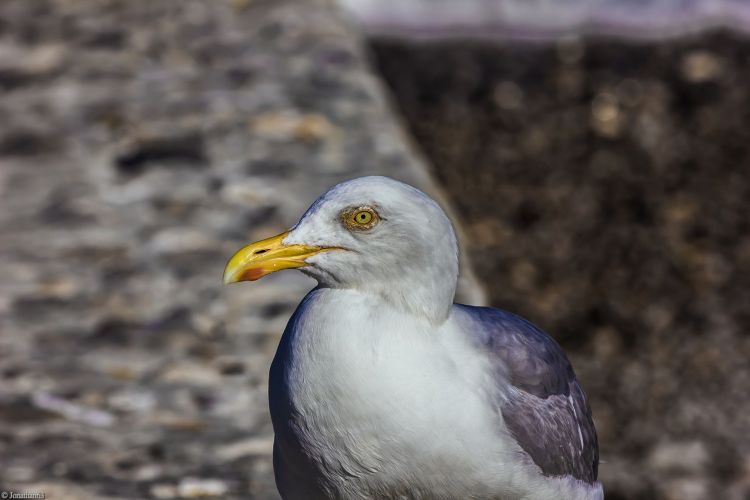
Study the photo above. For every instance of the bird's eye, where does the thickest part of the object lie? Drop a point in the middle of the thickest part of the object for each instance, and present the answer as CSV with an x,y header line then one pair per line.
x,y
360,218
363,217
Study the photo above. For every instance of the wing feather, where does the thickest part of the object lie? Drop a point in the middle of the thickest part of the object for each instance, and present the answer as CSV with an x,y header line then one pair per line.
x,y
544,408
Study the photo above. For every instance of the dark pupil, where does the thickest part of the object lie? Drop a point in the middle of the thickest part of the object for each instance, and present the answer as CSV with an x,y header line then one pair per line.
x,y
362,217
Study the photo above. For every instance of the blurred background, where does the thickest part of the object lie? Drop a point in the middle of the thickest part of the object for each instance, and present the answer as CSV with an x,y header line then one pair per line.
x,y
595,155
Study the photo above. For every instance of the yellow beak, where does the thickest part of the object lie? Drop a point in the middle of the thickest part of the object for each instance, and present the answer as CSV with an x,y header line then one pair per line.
x,y
268,256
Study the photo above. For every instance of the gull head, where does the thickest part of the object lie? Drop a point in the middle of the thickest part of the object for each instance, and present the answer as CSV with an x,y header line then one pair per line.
x,y
372,234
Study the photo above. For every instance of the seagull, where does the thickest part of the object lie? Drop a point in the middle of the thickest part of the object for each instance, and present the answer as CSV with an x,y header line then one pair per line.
x,y
383,388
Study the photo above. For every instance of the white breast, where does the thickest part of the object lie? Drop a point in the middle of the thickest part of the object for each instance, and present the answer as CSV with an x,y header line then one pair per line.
x,y
373,403
383,400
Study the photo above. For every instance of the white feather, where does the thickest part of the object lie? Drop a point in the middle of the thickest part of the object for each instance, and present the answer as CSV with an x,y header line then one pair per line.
x,y
376,389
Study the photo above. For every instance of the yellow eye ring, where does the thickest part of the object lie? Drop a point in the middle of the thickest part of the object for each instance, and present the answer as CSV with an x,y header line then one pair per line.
x,y
360,218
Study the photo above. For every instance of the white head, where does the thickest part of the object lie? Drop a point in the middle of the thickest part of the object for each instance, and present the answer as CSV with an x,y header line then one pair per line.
x,y
372,234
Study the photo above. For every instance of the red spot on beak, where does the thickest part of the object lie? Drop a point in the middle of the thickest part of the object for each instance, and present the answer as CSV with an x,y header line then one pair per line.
x,y
252,274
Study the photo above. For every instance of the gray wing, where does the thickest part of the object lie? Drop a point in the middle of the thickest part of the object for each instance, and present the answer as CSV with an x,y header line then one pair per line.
x,y
545,408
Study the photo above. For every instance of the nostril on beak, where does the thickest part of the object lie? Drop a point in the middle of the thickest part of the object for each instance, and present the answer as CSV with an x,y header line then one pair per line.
x,y
263,250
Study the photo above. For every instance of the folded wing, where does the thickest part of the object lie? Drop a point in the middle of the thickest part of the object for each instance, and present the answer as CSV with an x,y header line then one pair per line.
x,y
542,404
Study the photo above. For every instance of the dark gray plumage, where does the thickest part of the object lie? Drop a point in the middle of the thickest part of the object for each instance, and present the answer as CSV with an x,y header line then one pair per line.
x,y
546,410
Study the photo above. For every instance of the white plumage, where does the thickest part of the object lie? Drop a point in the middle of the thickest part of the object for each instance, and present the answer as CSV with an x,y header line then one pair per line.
x,y
382,388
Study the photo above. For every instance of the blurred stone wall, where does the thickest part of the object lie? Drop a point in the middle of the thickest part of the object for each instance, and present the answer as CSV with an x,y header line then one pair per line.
x,y
141,143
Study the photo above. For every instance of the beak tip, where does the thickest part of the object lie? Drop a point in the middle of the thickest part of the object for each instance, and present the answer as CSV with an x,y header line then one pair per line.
x,y
248,274
228,278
